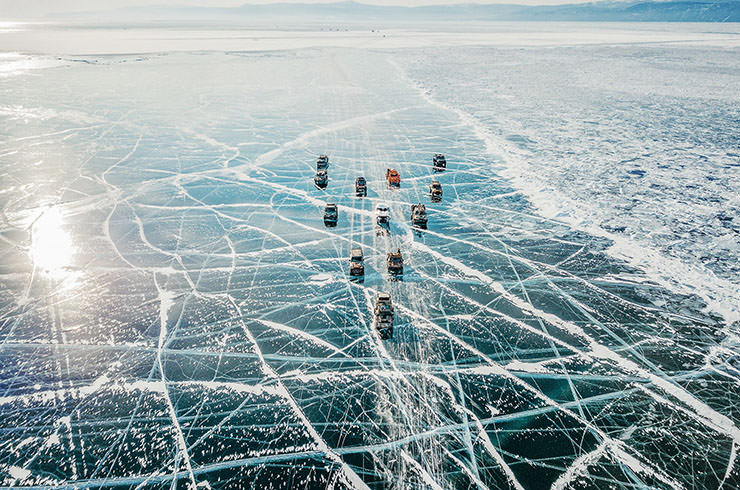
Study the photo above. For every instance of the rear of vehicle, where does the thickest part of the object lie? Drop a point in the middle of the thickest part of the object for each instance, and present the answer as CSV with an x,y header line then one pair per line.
x,y
393,177
439,162
361,187
321,179
382,214
331,214
418,215
356,262
435,191
384,315
394,261
322,163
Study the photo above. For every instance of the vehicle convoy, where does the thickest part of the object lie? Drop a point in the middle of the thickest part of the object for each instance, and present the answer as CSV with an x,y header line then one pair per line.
x,y
331,214
322,163
435,191
419,215
382,215
356,263
393,177
384,315
394,261
439,162
321,179
360,187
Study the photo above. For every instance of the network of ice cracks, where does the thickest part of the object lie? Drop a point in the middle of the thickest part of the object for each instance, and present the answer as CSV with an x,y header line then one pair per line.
x,y
176,314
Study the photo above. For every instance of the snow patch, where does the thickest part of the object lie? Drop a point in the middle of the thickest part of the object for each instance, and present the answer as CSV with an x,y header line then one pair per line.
x,y
19,473
321,279
528,367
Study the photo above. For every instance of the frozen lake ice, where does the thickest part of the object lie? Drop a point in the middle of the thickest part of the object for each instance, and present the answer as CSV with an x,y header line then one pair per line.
x,y
174,313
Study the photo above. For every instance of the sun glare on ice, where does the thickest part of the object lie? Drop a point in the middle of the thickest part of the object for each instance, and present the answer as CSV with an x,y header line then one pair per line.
x,y
51,245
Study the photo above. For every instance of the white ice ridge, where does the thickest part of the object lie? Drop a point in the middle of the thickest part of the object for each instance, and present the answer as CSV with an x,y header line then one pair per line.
x,y
707,415
212,325
720,295
167,301
307,136
349,475
576,330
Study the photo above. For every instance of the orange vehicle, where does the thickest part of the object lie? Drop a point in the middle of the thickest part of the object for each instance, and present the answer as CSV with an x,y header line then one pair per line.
x,y
393,177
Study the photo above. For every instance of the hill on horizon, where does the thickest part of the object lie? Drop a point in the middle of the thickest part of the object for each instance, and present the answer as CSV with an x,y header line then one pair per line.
x,y
629,11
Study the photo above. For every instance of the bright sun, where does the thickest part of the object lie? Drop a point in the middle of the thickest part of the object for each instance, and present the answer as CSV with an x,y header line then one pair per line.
x,y
51,245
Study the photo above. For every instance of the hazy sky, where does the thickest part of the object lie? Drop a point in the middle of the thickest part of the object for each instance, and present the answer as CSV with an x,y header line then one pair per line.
x,y
16,9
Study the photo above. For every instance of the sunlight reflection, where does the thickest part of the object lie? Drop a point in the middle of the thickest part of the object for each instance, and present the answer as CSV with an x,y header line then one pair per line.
x,y
16,63
51,245
7,26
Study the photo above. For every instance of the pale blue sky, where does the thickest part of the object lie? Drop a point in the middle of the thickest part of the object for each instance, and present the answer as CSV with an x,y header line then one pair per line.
x,y
38,8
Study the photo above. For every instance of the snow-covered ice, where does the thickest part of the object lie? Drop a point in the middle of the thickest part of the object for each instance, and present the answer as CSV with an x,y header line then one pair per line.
x,y
173,311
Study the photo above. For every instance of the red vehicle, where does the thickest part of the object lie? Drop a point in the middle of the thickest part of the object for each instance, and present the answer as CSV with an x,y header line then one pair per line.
x,y
393,177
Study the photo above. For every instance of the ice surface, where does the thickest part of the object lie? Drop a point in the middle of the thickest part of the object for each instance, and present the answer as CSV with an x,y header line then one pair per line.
x,y
626,142
174,313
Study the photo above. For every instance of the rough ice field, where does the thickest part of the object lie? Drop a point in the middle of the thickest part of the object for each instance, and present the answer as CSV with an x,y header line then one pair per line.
x,y
636,143
173,312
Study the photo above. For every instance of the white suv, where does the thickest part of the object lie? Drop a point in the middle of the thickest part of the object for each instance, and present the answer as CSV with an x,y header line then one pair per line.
x,y
382,215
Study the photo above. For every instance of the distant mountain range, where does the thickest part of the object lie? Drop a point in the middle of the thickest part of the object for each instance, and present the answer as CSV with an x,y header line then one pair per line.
x,y
623,11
